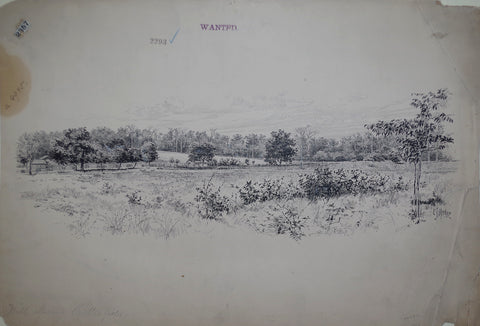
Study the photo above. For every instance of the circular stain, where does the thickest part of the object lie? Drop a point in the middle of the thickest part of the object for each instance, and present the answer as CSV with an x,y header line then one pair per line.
x,y
15,84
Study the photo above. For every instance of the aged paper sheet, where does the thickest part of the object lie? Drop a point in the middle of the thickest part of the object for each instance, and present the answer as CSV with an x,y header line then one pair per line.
x,y
239,163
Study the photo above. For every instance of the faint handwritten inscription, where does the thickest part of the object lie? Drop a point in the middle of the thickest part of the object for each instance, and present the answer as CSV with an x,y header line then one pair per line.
x,y
81,310
22,28
15,95
89,309
216,27
42,309
158,41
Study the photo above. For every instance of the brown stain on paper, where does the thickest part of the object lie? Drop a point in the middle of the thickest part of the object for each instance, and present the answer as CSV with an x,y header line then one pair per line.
x,y
15,84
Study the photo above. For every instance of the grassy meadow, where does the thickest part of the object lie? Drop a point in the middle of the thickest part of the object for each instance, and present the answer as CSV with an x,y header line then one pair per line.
x,y
136,239
163,202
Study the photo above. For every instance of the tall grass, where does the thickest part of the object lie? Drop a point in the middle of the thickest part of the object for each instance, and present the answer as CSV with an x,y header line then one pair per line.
x,y
286,201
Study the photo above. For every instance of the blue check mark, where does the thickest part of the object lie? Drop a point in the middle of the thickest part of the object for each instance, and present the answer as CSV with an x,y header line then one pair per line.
x,y
175,35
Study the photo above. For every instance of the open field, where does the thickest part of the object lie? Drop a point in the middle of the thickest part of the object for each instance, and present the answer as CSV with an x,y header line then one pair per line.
x,y
154,253
162,202
182,158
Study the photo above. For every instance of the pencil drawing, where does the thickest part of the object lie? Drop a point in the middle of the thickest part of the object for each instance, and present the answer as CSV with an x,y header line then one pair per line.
x,y
293,183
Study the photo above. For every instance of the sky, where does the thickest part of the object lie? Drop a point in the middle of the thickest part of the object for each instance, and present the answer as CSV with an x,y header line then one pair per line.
x,y
334,65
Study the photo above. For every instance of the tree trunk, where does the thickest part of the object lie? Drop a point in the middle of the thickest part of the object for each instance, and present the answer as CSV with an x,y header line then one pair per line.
x,y
30,167
415,190
301,158
419,172
81,166
416,187
415,180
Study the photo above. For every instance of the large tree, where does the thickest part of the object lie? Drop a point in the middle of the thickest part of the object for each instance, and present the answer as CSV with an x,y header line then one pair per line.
x,y
125,154
74,147
101,155
104,140
280,147
149,152
203,153
418,135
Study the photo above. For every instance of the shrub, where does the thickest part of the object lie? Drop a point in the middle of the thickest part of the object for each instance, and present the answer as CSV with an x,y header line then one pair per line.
x,y
267,190
211,205
134,198
327,183
249,193
228,162
287,220
399,185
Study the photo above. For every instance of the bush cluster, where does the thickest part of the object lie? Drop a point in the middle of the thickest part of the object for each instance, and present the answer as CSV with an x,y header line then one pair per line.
x,y
328,183
228,162
321,184
287,220
266,190
211,204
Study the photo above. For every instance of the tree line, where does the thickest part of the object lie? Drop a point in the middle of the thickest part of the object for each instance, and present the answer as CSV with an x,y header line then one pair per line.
x,y
130,144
